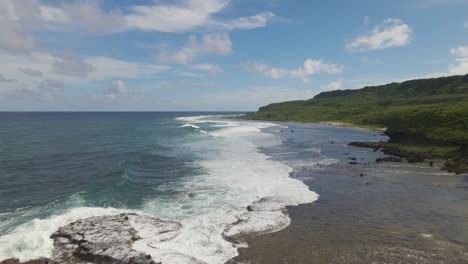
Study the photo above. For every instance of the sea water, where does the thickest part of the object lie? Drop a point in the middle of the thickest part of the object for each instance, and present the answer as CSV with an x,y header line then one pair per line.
x,y
199,169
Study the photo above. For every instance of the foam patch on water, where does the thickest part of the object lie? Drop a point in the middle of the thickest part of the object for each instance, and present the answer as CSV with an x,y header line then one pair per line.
x,y
242,192
191,125
32,240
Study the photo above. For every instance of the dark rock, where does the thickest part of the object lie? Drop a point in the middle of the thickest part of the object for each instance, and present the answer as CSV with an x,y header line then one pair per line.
x,y
292,130
362,174
388,159
33,261
353,163
333,142
431,163
352,158
415,159
108,239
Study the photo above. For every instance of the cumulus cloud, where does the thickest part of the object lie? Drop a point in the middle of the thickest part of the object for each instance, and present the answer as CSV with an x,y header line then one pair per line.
x,y
174,18
51,85
191,15
390,33
247,22
18,17
14,39
461,51
119,88
31,72
309,68
46,89
108,68
72,66
334,85
213,69
458,67
212,43
89,16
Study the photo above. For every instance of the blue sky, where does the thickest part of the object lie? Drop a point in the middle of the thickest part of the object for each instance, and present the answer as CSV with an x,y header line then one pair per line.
x,y
217,54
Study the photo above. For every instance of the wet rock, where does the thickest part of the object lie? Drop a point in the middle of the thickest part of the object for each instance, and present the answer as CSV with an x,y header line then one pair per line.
x,y
353,163
388,159
34,261
292,130
106,239
352,158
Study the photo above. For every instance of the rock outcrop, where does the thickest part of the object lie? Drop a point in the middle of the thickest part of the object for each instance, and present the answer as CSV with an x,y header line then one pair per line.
x,y
106,239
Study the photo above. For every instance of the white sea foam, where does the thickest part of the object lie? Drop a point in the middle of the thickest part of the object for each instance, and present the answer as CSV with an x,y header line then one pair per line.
x,y
215,205
237,176
32,240
190,125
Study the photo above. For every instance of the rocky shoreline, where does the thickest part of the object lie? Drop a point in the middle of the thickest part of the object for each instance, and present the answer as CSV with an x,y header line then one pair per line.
x,y
104,239
111,238
454,165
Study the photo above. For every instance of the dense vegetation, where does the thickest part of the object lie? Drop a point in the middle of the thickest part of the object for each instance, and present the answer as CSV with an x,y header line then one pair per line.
x,y
429,115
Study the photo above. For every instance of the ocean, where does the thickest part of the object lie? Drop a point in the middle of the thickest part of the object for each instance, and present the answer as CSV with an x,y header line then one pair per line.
x,y
199,169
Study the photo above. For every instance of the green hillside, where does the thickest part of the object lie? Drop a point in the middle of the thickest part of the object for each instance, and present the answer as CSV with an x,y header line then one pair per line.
x,y
428,116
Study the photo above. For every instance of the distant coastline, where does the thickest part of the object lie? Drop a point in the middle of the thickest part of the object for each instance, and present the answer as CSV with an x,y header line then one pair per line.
x,y
425,119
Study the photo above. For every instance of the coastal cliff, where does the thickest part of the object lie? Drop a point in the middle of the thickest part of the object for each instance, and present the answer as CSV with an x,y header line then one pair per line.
x,y
426,118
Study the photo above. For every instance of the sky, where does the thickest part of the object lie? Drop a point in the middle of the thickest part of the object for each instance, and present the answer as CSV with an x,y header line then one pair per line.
x,y
217,55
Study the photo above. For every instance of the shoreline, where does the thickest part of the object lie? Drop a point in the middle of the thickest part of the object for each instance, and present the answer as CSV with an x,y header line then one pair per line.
x,y
454,160
367,212
343,124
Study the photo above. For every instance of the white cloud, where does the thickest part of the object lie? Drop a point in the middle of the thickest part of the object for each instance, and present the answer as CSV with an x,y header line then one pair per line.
x,y
212,43
459,67
31,72
25,69
213,69
174,18
15,40
119,88
3,79
466,24
72,66
309,68
248,22
108,68
249,98
334,85
461,51
390,33
89,16
190,15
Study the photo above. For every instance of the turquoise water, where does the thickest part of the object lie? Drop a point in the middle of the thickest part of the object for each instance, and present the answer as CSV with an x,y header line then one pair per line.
x,y
202,171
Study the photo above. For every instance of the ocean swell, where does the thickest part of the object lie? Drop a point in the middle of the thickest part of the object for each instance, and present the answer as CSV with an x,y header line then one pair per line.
x,y
241,191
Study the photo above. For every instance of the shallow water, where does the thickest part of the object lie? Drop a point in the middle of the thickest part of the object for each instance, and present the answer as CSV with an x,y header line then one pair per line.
x,y
393,213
